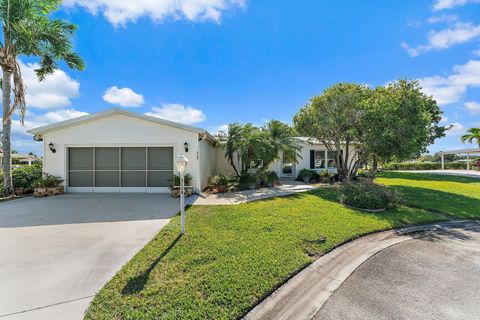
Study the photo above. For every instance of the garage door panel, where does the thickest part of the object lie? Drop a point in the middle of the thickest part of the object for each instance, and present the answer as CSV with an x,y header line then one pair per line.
x,y
107,179
160,158
133,179
107,159
81,179
159,178
134,158
81,158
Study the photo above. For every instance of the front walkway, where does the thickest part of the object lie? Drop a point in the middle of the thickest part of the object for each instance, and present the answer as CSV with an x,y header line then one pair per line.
x,y
287,187
461,173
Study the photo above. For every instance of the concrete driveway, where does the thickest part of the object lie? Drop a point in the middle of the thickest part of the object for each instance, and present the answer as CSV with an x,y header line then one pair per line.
x,y
433,277
56,252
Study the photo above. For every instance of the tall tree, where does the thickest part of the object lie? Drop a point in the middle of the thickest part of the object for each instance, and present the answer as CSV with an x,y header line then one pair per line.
x,y
400,121
334,119
472,134
29,30
397,121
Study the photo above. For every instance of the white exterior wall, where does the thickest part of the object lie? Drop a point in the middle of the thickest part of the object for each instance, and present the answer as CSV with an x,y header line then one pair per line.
x,y
207,161
119,130
304,161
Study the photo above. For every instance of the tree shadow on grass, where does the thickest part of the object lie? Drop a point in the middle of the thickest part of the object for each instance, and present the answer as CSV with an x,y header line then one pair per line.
x,y
427,177
137,283
440,201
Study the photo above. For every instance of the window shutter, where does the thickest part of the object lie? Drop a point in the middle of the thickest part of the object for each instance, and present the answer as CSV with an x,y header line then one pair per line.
x,y
312,159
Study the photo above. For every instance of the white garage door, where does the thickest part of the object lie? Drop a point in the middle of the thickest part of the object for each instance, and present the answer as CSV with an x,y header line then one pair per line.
x,y
119,169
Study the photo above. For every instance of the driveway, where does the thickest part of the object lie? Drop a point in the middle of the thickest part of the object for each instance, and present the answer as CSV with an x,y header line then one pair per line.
x,y
433,277
56,252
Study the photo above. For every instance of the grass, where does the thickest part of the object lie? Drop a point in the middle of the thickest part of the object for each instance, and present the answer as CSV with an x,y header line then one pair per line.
x,y
455,196
234,256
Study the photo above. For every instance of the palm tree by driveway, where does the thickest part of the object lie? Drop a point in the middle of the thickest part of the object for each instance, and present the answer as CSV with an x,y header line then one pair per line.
x,y
28,30
472,134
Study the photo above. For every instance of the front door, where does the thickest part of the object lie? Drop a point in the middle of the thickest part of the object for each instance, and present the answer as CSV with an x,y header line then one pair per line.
x,y
288,167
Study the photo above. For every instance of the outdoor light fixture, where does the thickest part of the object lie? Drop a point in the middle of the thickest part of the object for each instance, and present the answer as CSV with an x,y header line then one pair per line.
x,y
51,147
181,164
185,145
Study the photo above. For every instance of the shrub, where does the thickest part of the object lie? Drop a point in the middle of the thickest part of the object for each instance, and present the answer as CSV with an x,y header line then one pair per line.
x,y
366,194
307,175
220,179
366,174
269,178
175,181
48,181
25,176
424,166
325,176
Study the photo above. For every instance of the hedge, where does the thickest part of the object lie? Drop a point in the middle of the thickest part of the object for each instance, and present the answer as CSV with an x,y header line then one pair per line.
x,y
425,166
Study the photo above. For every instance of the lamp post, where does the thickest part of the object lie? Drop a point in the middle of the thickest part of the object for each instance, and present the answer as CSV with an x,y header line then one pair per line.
x,y
181,164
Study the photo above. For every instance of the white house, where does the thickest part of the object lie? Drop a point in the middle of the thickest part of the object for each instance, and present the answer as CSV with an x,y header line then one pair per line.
x,y
120,151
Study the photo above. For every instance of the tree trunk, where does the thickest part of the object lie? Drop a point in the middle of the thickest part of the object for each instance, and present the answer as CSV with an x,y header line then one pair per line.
x,y
375,164
7,123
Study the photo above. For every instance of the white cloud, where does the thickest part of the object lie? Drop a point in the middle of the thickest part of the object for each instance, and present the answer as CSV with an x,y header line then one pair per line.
x,y
444,120
119,12
455,129
448,18
448,4
55,91
33,120
473,107
218,129
450,89
178,113
124,97
460,32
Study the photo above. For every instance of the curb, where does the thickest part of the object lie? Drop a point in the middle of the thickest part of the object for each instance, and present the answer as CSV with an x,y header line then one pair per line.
x,y
303,296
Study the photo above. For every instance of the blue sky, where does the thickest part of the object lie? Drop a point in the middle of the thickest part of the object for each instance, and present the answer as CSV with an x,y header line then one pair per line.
x,y
212,62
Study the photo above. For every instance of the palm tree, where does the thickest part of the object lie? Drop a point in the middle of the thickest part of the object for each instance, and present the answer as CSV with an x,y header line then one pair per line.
x,y
233,144
281,141
29,30
473,134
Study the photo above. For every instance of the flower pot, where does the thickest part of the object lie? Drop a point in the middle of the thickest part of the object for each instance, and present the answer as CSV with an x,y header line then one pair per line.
x,y
269,184
175,191
306,179
252,186
221,189
19,191
40,192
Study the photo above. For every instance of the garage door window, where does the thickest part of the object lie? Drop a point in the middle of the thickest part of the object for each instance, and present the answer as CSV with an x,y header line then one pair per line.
x,y
120,167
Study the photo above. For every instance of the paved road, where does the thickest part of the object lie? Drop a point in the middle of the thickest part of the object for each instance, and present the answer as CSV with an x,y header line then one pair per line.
x,y
434,277
56,252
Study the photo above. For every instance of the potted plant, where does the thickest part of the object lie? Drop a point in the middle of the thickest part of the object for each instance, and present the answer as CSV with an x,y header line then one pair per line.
x,y
307,176
219,182
248,181
175,185
270,178
48,185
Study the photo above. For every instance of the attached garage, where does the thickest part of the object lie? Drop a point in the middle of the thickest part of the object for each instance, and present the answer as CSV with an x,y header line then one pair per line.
x,y
121,151
120,169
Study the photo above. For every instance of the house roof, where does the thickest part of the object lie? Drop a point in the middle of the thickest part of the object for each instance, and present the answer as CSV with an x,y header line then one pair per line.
x,y
115,111
460,151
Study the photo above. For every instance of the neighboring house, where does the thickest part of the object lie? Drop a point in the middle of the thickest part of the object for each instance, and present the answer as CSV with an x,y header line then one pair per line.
x,y
120,151
20,158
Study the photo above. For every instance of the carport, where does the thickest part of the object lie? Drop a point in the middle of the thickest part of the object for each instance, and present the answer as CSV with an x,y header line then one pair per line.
x,y
467,152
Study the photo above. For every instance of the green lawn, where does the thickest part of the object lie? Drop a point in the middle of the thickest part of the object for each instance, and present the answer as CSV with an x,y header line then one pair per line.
x,y
456,196
234,256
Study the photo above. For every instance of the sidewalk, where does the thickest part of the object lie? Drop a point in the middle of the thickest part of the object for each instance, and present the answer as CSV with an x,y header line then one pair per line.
x,y
460,173
287,187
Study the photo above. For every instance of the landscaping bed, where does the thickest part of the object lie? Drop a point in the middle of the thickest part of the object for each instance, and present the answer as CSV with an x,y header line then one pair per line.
x,y
233,256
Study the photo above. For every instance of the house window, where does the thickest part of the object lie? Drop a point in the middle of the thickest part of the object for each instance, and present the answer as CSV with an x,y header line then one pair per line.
x,y
331,156
319,159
